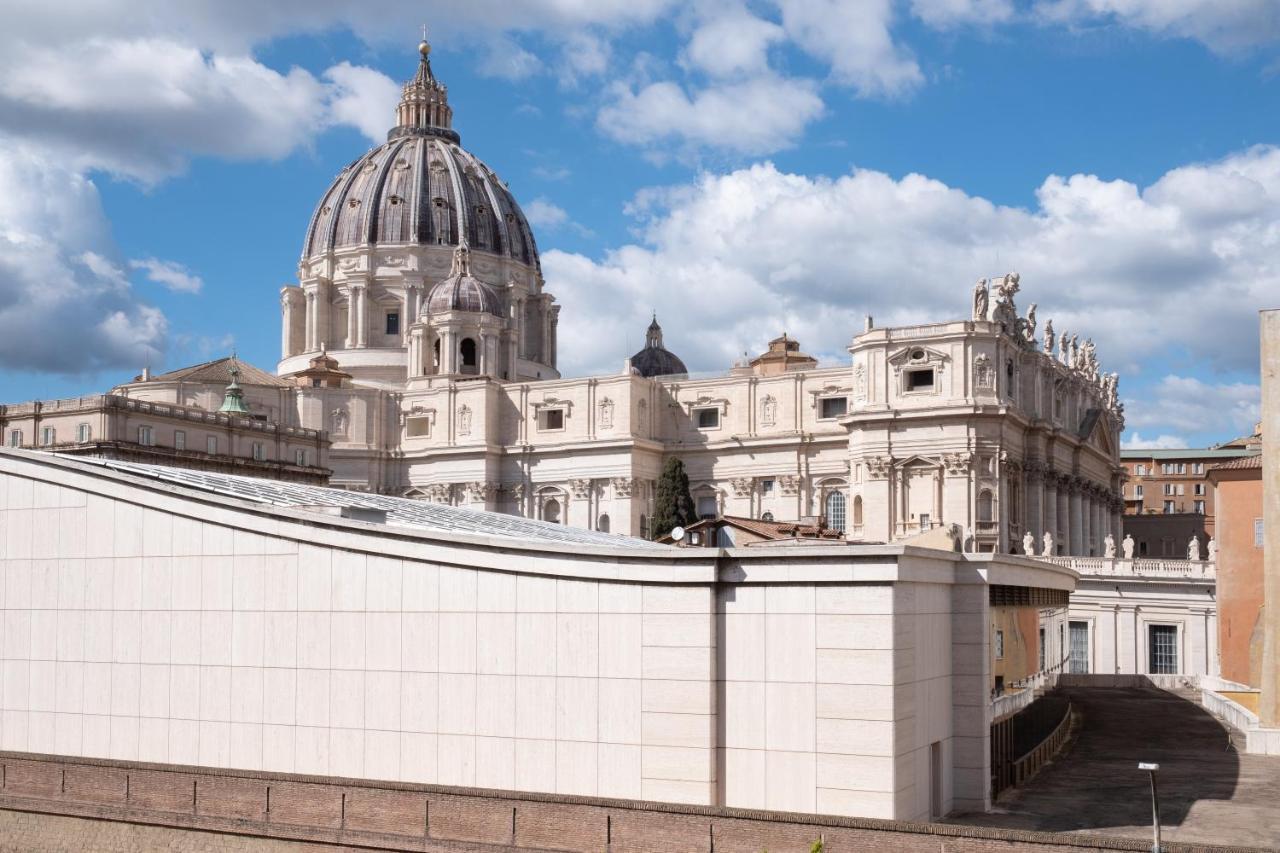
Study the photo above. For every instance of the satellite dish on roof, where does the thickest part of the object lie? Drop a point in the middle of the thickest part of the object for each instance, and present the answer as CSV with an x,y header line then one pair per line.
x,y
677,533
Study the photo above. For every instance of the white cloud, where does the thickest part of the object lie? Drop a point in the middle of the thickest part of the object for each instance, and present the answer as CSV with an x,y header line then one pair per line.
x,y
1223,25
362,98
171,275
1135,441
1157,273
943,14
853,37
732,43
754,116
545,214
1186,404
65,305
506,59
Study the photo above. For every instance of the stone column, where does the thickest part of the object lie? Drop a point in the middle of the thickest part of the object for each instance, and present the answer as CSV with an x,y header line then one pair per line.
x,y
1270,706
1035,504
352,317
410,309
362,321
417,360
1086,520
311,322
522,341
1050,510
293,322
1076,521
1063,536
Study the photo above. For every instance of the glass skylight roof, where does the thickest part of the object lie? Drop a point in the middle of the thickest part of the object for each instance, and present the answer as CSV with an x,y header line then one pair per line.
x,y
400,511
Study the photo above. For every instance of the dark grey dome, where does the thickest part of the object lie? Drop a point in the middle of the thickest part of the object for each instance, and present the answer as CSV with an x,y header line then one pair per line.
x,y
655,359
420,188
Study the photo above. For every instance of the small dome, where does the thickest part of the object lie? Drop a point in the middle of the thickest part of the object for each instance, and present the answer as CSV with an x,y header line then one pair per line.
x,y
655,359
462,291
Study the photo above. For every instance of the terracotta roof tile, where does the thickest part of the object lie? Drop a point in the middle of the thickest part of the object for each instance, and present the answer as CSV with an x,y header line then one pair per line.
x,y
1244,462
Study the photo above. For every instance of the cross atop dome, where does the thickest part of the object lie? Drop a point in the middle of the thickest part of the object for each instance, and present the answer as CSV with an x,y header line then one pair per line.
x,y
424,101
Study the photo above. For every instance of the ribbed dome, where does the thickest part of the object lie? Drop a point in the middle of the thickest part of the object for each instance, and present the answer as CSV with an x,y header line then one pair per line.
x,y
462,291
655,359
420,188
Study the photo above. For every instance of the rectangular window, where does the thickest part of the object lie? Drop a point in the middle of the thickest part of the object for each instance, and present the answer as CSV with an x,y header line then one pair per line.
x,y
258,453
1197,468
48,436
15,438
766,486
1168,488
1042,650
1169,508
1182,467
707,418
1162,649
144,436
84,433
300,458
920,380
1142,470
999,645
1200,488
833,407
1137,491
1198,507
211,445
707,506
179,440
419,427
1257,533
1079,648
393,323
551,419
1182,488
924,521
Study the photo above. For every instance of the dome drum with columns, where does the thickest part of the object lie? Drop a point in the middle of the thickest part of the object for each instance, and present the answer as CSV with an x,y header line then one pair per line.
x,y
384,237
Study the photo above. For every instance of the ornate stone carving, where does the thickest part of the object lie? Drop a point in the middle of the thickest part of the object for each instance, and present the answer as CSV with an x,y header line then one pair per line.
x,y
878,467
742,486
790,484
768,411
1193,548
957,464
860,383
393,260
1035,470
1049,337
604,414
1029,544
580,488
338,420
517,491
1047,550
1127,546
438,493
1213,550
464,419
1109,546
477,492
623,487
984,375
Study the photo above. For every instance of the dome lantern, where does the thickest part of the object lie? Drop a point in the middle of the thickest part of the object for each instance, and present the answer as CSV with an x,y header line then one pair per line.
x,y
424,103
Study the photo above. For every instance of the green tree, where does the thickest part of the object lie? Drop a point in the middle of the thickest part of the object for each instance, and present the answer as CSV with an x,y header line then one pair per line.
x,y
674,505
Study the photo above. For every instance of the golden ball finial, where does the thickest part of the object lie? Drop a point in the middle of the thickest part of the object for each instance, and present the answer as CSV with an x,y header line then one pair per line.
x,y
424,48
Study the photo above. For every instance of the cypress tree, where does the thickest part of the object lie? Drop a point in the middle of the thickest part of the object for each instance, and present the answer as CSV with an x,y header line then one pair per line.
x,y
673,505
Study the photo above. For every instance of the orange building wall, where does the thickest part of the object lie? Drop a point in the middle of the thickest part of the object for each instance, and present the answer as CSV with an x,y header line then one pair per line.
x,y
1239,503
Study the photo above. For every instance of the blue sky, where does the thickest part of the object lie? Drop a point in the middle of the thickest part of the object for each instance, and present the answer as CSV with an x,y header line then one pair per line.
x,y
742,168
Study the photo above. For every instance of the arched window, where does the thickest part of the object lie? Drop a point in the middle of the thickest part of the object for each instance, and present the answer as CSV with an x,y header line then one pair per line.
x,y
435,358
551,511
767,516
986,506
835,510
468,352
644,526
602,524
857,511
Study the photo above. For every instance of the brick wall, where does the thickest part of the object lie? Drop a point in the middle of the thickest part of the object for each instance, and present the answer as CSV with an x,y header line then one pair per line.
x,y
397,816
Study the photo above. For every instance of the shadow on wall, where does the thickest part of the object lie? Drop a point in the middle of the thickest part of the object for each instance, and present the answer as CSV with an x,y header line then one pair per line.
x,y
1096,783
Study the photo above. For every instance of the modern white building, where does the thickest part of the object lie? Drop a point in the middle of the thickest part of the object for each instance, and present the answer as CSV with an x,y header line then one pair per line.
x,y
183,617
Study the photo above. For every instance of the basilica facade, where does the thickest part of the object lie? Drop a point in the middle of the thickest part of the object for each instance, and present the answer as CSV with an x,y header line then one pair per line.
x,y
422,338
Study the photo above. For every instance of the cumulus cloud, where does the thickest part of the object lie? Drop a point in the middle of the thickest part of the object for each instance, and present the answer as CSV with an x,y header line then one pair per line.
x,y
1186,404
1137,441
65,304
732,42
854,38
169,274
1167,266
545,214
717,116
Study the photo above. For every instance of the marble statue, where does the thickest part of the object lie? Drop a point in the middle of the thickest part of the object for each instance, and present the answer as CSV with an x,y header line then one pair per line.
x,y
1048,336
1193,548
1048,544
1029,544
1213,549
1031,323
1127,546
981,299
1074,360
1109,547
1064,346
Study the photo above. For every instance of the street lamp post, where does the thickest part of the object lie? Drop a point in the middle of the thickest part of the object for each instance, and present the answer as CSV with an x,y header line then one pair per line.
x,y
1151,767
